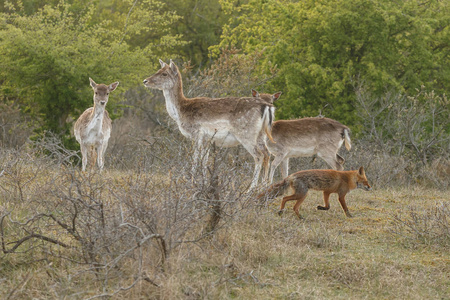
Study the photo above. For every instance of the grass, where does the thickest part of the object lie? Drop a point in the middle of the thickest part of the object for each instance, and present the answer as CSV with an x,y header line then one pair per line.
x,y
255,254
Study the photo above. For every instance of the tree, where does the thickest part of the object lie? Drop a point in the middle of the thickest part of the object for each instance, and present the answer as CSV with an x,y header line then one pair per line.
x,y
46,58
323,47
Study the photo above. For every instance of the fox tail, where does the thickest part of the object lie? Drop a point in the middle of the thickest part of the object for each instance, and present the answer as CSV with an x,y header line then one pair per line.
x,y
274,191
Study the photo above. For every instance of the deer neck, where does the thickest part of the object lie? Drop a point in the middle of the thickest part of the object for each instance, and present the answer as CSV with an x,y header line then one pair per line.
x,y
174,97
96,122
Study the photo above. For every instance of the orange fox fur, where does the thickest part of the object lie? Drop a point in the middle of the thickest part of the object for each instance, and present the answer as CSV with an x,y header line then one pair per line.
x,y
328,181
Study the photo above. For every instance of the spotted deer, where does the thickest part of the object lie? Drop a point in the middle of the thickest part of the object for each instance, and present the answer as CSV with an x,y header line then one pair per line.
x,y
93,128
226,121
305,137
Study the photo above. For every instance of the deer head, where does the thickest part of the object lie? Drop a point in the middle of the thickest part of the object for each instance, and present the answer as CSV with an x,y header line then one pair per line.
x,y
101,92
166,78
266,97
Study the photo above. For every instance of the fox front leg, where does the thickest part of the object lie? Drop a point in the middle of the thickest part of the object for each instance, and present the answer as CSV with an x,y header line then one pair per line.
x,y
326,201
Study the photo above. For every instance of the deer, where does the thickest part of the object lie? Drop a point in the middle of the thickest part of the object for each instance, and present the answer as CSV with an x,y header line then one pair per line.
x,y
303,138
93,128
266,97
227,122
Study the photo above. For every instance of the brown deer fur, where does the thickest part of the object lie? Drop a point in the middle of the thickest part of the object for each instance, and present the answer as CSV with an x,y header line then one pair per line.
x,y
305,137
226,121
93,128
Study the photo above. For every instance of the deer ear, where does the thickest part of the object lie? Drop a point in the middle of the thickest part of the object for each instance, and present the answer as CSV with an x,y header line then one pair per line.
x,y
162,63
255,93
173,67
93,84
113,86
361,171
276,96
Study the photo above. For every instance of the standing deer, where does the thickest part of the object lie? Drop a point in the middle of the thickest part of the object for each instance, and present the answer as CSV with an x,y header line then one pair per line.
x,y
226,121
93,128
305,137
266,97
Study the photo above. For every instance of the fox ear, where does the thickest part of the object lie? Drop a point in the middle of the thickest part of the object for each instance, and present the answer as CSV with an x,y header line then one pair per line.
x,y
255,93
361,171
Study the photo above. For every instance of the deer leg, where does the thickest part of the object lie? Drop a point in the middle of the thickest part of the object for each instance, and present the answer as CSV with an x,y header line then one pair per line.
x,y
100,157
344,205
275,163
201,155
331,160
326,201
285,167
84,155
266,162
340,159
101,150
259,158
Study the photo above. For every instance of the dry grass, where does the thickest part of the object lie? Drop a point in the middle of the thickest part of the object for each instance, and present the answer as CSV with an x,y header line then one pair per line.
x,y
255,254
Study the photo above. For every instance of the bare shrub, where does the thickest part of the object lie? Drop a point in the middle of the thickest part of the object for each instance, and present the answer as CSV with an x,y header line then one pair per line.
x,y
232,74
409,134
429,226
114,229
15,127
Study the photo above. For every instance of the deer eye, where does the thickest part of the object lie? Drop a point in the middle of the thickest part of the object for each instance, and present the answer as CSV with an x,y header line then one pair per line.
x,y
96,93
107,93
164,74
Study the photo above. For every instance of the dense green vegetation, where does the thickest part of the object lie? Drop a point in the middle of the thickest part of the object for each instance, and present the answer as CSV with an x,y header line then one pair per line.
x,y
47,55
322,50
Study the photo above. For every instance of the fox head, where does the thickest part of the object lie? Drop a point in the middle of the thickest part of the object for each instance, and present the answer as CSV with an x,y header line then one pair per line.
x,y
361,180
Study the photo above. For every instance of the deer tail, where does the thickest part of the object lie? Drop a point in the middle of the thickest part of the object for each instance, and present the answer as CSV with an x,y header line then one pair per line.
x,y
268,116
347,141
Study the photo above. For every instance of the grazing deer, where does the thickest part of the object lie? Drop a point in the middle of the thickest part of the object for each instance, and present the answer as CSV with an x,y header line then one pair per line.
x,y
305,137
226,121
93,128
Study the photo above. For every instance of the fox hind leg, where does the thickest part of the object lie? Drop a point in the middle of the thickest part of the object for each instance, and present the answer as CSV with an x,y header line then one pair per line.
x,y
297,205
299,197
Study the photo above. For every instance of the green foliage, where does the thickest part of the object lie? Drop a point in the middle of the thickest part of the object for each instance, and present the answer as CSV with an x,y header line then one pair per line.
x,y
46,58
323,47
200,26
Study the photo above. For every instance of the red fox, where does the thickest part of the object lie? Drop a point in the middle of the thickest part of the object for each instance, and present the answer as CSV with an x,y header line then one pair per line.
x,y
328,181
